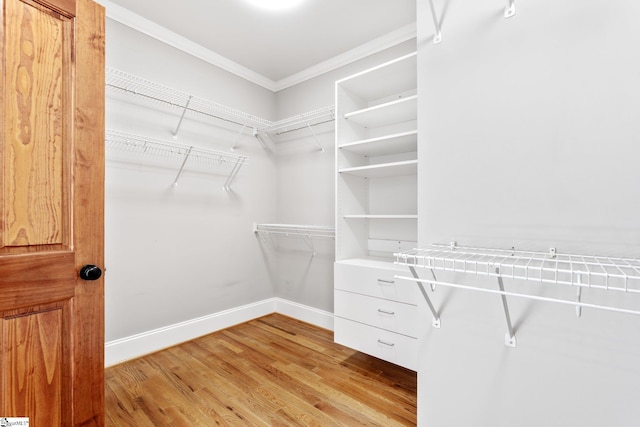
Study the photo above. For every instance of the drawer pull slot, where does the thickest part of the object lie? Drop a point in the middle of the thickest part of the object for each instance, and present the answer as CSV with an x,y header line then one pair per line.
x,y
391,313
388,282
388,344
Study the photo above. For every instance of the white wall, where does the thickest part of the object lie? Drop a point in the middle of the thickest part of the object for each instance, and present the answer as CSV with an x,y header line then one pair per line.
x,y
176,254
528,138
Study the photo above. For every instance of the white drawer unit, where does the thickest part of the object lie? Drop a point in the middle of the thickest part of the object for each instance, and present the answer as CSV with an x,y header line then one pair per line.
x,y
375,279
382,313
395,348
377,314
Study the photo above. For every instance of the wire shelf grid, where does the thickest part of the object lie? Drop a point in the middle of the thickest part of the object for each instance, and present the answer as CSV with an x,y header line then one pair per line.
x,y
131,84
588,271
296,230
154,147
301,121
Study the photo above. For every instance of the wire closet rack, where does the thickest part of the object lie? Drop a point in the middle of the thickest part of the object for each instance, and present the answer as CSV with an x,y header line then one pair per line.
x,y
306,232
295,230
123,82
577,271
155,147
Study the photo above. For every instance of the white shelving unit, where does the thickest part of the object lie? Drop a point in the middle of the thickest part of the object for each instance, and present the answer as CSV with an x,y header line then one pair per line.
x,y
185,154
589,273
376,211
376,158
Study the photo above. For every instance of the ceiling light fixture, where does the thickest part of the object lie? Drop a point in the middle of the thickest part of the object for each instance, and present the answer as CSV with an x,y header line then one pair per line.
x,y
275,4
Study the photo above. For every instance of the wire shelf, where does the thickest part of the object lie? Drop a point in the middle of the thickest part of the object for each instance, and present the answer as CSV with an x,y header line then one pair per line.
x,y
155,147
295,230
121,81
579,271
588,271
301,121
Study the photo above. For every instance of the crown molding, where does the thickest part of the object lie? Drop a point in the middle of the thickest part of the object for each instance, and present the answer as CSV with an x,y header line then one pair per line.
x,y
151,29
391,39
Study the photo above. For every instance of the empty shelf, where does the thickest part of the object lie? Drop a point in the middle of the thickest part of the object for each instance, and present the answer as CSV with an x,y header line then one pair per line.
x,y
398,111
398,75
403,142
407,167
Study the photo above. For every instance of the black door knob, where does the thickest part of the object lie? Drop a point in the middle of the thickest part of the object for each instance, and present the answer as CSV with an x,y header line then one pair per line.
x,y
90,272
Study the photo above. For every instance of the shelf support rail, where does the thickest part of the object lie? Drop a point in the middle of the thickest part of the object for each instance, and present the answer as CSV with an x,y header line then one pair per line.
x,y
510,337
437,38
510,9
235,142
436,316
186,107
315,137
233,174
184,161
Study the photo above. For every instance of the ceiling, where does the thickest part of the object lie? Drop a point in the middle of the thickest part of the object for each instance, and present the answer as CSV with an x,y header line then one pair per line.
x,y
278,46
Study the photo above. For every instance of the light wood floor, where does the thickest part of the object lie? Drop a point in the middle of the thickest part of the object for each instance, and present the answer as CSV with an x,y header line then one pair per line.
x,y
272,371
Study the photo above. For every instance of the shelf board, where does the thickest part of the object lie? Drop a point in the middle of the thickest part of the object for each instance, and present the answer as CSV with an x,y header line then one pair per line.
x,y
403,142
366,216
397,111
407,167
398,75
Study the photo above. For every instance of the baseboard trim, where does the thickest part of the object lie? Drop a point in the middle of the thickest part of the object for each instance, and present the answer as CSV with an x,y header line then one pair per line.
x,y
314,316
131,347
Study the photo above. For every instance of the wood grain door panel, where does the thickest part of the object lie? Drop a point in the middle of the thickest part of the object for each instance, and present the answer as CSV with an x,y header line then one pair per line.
x,y
51,211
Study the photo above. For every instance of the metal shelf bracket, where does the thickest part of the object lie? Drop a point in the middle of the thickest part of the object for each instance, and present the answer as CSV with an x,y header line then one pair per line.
x,y
510,9
437,38
436,318
184,111
184,161
510,337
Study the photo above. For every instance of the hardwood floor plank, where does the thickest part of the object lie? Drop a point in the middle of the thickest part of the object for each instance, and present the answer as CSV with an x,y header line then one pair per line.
x,y
271,371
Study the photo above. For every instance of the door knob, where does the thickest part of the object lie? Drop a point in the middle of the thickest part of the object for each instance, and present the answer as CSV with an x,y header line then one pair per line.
x,y
90,272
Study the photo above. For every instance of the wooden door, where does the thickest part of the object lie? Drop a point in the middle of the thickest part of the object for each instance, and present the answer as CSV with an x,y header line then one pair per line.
x,y
51,211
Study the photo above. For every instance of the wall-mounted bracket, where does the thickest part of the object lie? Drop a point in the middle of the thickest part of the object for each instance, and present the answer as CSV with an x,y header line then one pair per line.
x,y
510,9
184,161
234,173
437,38
186,107
510,337
315,137
235,142
436,318
579,296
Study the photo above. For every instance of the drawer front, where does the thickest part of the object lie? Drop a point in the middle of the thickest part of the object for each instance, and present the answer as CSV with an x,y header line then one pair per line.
x,y
376,282
398,349
394,316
